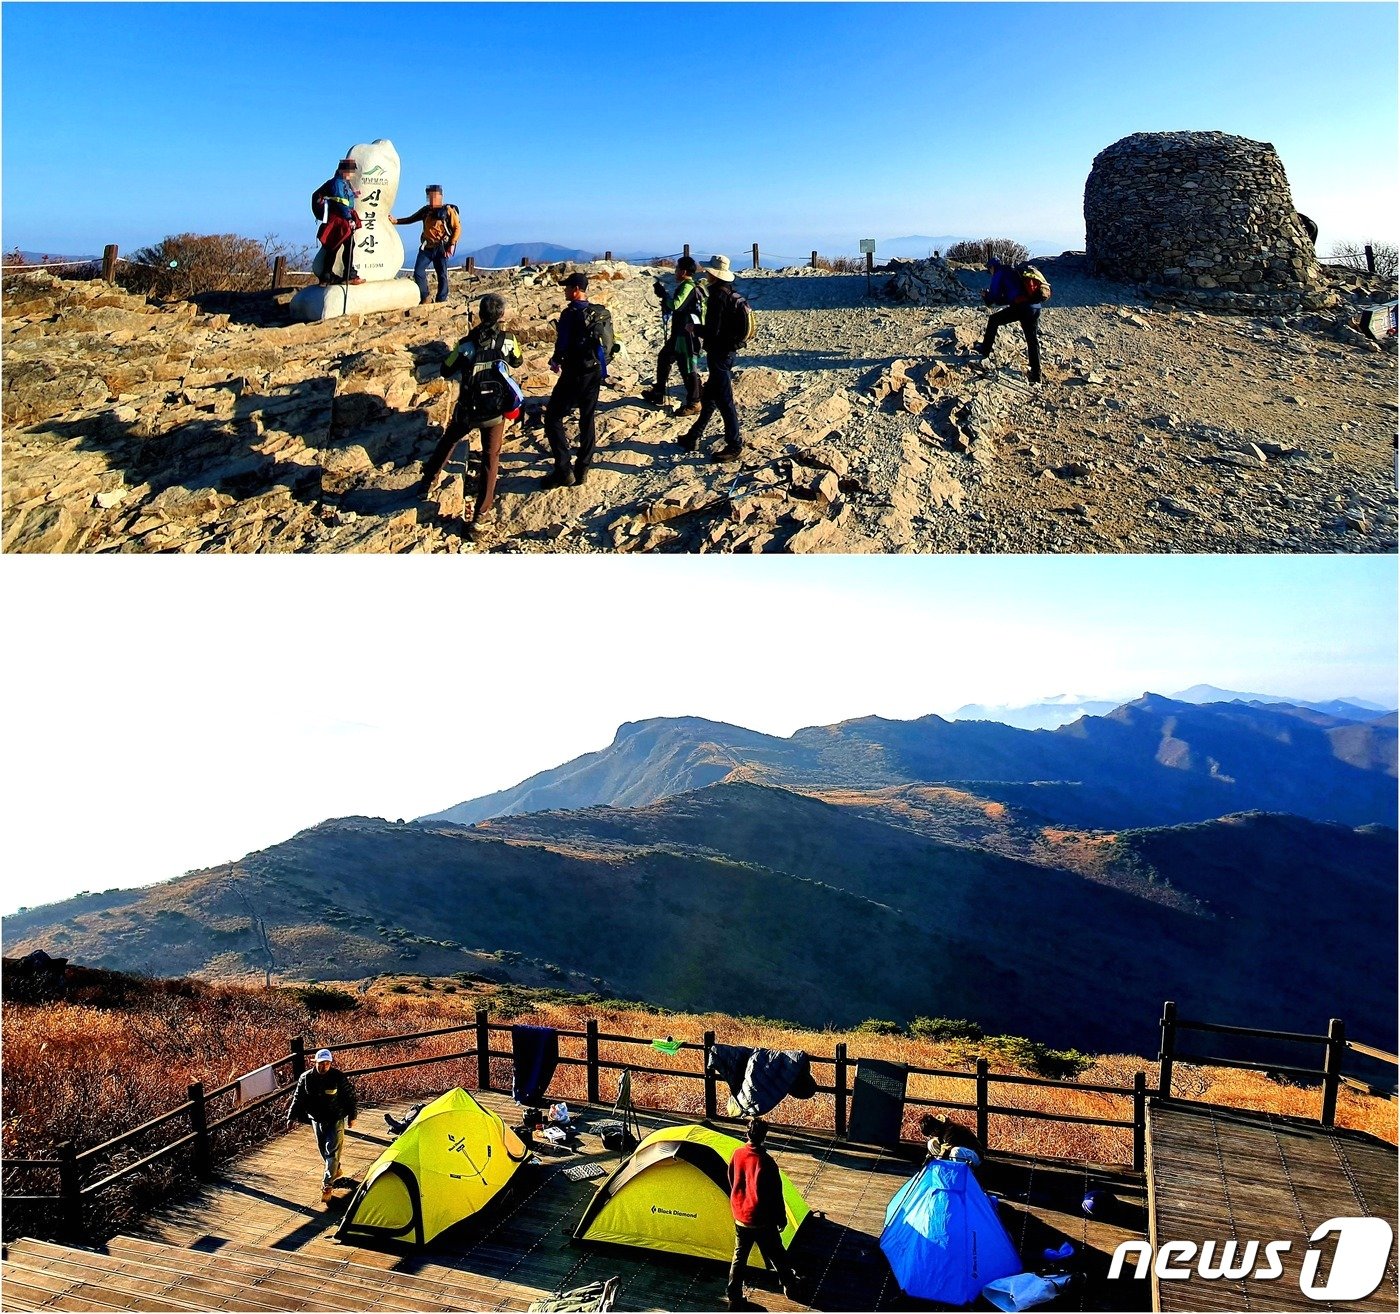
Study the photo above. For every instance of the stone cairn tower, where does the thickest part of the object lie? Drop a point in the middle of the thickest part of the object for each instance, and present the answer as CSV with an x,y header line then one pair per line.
x,y
1200,217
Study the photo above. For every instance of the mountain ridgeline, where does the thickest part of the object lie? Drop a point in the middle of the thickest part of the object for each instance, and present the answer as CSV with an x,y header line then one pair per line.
x,y
1238,859
1154,761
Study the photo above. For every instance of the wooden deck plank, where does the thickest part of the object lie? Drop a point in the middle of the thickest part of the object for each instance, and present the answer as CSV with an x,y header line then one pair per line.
x,y
1225,1174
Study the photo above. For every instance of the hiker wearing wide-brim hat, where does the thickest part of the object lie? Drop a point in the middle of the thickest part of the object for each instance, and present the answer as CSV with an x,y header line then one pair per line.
x,y
336,234
726,314
325,1098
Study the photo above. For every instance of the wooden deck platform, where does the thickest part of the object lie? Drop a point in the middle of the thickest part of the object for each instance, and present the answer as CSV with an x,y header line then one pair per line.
x,y
520,1249
1223,1174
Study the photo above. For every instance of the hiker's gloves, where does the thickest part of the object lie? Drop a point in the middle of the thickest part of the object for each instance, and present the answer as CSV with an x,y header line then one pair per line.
x,y
658,287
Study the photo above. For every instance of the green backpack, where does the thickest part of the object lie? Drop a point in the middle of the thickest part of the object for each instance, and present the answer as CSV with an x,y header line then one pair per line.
x,y
1040,285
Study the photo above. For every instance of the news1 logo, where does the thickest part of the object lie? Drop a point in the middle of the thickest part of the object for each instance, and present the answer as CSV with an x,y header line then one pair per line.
x,y
1359,1259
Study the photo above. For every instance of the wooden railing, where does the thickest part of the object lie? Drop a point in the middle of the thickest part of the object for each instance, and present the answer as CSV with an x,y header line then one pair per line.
x,y
79,1175
1334,1048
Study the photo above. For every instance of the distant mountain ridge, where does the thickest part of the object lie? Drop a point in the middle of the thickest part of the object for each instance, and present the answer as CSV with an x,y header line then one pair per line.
x,y
1153,761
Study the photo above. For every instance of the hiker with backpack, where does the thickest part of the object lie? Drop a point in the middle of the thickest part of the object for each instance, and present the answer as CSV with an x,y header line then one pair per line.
x,y
583,346
1021,290
728,325
683,311
442,228
488,399
333,202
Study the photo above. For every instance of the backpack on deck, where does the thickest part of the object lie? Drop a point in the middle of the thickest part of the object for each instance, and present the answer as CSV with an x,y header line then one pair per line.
x,y
1040,285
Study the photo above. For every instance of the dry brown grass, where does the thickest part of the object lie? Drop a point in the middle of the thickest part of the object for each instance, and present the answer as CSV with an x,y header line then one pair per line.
x,y
85,1072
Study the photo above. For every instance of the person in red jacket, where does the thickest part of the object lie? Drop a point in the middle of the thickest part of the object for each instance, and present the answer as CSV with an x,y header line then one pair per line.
x,y
756,1201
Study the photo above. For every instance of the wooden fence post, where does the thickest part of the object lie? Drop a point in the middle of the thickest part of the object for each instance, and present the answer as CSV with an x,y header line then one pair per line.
x,y
524,262
840,1084
279,272
1168,1050
483,1052
1332,1067
109,263
591,1041
199,1124
755,255
1370,259
711,1097
70,1190
982,1102
607,255
814,259
298,1048
685,250
1139,1121
471,264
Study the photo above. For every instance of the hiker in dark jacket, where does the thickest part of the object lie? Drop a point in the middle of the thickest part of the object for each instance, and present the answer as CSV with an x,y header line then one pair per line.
x,y
325,1098
581,372
721,344
760,1214
484,348
337,233
947,1139
1014,291
680,307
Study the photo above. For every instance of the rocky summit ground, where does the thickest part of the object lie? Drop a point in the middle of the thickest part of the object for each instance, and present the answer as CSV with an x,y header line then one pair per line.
x,y
869,425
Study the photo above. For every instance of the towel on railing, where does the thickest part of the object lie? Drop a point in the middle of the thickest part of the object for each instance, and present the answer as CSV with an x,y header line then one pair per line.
x,y
536,1054
254,1085
759,1079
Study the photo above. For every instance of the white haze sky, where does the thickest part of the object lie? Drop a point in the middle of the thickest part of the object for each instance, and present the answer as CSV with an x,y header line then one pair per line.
x,y
166,715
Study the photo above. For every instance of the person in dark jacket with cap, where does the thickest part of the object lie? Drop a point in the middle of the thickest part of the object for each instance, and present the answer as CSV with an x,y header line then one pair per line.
x,y
581,367
325,1098
760,1214
1013,291
720,350
337,234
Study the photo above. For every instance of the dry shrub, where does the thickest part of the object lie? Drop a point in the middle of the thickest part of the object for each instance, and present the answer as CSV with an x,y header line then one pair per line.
x,y
186,264
1353,256
979,252
842,264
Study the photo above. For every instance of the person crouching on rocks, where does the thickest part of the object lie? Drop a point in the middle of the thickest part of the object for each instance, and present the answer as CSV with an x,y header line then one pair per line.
x,y
1017,292
683,310
488,399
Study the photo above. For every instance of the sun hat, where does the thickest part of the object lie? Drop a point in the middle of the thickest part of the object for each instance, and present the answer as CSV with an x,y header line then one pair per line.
x,y
323,1056
718,267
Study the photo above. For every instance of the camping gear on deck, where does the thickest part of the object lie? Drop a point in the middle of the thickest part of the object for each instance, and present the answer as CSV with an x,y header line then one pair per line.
x,y
1024,1291
452,1159
536,1054
595,1298
943,1238
877,1103
759,1079
672,1194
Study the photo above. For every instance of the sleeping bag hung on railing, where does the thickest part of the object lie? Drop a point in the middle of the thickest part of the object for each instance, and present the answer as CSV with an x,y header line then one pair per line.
x,y
454,1156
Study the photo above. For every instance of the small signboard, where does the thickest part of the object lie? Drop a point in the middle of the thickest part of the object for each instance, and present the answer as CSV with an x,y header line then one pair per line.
x,y
867,246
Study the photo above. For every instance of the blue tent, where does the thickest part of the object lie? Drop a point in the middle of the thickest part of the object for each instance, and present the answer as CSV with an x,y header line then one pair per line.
x,y
943,1238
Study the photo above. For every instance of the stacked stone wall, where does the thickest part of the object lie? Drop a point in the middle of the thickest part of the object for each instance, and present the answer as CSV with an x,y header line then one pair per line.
x,y
1200,217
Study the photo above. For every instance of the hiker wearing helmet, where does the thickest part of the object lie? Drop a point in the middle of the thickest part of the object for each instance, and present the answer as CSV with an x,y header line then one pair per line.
x,y
325,1098
583,345
683,311
722,336
487,400
442,227
336,197
1020,291
760,1214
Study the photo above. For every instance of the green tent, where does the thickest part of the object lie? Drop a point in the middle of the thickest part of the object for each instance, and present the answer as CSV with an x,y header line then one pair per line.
x,y
672,1194
453,1158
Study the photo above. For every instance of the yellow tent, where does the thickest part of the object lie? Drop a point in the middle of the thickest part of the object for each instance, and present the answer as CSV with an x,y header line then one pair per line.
x,y
672,1194
452,1159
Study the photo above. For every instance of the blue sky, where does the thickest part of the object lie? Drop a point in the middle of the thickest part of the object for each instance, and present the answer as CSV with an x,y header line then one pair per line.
x,y
178,713
640,126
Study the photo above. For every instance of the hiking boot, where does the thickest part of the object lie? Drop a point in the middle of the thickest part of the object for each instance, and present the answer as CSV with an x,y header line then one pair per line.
x,y
687,442
558,479
1035,380
580,473
654,395
982,350
690,408
356,281
325,1195
729,452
